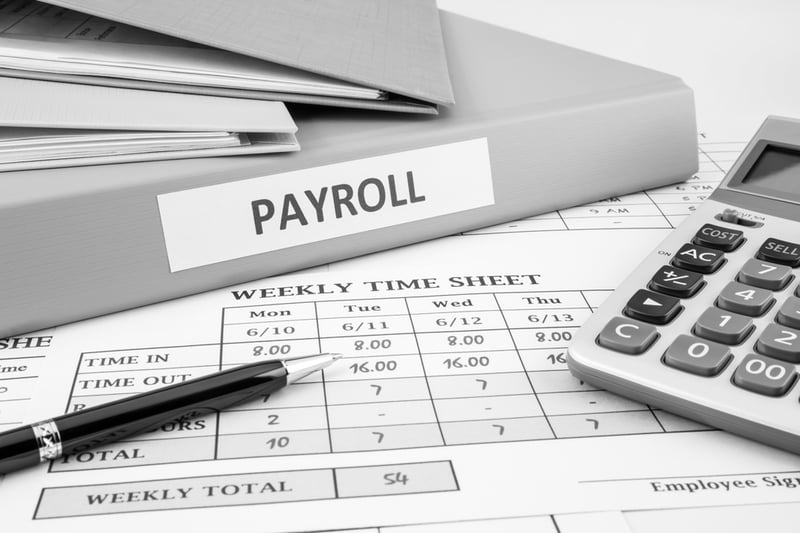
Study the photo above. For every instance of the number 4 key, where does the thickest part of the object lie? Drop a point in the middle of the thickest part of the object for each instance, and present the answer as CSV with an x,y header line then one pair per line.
x,y
744,299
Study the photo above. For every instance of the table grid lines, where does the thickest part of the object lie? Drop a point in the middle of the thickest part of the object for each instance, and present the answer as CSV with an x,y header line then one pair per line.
x,y
422,363
324,392
527,374
418,371
219,368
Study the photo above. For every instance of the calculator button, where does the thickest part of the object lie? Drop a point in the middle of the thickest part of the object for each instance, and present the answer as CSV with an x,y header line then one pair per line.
x,y
652,307
698,258
764,375
719,238
789,313
721,326
781,342
676,282
778,251
765,275
626,336
701,357
744,299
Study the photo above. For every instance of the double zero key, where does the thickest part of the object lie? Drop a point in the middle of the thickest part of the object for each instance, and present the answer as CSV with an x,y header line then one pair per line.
x,y
764,375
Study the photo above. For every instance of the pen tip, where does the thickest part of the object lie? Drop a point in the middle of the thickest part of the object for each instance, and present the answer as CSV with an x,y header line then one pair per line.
x,y
300,367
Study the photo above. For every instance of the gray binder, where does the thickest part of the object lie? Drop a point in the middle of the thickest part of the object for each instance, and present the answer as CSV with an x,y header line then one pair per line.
x,y
563,127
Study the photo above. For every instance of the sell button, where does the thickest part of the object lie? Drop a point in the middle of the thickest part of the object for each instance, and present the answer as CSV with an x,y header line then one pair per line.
x,y
778,251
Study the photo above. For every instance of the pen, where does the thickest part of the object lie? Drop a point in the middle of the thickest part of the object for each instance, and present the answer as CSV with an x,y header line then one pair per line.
x,y
94,426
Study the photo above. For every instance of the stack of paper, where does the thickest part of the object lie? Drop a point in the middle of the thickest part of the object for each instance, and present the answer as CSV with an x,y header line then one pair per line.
x,y
47,124
375,54
108,81
20,145
184,65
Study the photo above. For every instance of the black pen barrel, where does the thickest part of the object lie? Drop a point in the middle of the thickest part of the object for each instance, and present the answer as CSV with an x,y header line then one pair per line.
x,y
17,449
95,426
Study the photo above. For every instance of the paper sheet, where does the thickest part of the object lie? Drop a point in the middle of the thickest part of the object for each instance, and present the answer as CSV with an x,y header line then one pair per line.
x,y
19,145
452,403
44,38
600,522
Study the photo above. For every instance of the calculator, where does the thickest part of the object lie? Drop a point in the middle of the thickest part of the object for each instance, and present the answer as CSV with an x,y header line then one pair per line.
x,y
708,325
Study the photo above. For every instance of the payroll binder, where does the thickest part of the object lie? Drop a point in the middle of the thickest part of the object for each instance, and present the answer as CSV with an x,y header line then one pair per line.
x,y
538,126
394,47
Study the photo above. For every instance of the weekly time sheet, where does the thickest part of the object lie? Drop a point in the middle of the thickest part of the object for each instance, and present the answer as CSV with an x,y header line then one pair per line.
x,y
452,403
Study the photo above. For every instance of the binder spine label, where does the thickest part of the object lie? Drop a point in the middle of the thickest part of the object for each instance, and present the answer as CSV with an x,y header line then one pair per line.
x,y
218,223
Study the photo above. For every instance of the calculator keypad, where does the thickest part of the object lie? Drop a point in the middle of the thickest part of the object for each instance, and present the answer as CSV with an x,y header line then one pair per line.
x,y
722,326
730,355
746,300
764,375
698,356
706,352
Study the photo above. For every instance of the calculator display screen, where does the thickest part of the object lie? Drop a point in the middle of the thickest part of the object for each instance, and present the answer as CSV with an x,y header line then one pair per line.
x,y
777,169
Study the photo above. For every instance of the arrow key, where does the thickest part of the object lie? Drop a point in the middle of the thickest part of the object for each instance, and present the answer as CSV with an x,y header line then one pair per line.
x,y
652,307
